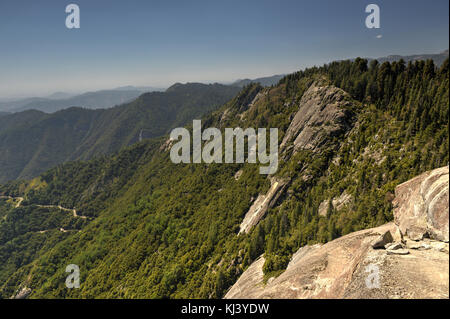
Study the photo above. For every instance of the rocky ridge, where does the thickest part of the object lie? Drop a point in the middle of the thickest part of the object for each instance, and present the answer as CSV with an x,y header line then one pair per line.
x,y
323,113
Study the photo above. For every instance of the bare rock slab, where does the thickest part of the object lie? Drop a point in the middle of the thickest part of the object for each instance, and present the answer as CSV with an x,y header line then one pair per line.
x,y
323,112
262,204
421,206
339,269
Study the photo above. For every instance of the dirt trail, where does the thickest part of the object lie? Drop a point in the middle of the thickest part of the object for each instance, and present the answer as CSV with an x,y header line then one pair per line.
x,y
62,230
73,211
21,199
19,202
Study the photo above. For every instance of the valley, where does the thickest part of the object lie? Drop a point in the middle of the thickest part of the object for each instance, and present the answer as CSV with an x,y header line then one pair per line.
x,y
350,134
32,142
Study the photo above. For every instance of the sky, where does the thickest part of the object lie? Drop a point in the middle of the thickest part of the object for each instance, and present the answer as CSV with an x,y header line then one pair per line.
x,y
161,42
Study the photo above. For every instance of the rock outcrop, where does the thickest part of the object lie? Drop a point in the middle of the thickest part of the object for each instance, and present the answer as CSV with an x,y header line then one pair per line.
x,y
338,203
22,293
349,267
421,206
382,262
262,204
323,113
384,240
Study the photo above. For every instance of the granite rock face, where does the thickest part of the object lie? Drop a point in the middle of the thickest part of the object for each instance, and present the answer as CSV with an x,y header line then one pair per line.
x,y
338,203
323,113
421,206
22,293
348,267
395,260
262,203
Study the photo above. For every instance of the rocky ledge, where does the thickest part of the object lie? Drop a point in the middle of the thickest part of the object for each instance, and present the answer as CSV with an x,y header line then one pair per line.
x,y
421,206
405,259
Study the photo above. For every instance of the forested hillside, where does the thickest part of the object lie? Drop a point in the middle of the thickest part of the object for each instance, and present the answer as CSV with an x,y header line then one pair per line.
x,y
32,141
349,132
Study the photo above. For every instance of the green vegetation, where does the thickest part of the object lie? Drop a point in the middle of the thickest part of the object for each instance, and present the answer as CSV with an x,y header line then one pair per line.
x,y
32,142
160,230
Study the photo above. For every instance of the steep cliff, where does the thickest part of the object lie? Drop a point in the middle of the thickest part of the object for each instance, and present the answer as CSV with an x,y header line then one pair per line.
x,y
324,113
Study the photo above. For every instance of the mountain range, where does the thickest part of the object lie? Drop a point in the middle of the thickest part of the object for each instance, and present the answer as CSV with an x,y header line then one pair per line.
x,y
33,141
109,98
140,226
90,100
264,81
438,58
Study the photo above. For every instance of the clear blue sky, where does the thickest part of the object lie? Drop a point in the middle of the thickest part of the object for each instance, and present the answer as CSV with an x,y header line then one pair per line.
x,y
158,43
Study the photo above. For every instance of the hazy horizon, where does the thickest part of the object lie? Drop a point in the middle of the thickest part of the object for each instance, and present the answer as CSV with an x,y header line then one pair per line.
x,y
142,43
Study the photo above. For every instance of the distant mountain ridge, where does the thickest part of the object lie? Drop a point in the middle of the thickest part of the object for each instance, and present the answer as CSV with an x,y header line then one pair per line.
x,y
60,95
139,88
438,58
264,81
90,100
33,141
109,98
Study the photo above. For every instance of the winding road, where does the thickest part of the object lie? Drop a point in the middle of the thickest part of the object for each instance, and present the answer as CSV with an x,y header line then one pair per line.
x,y
19,202
73,211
